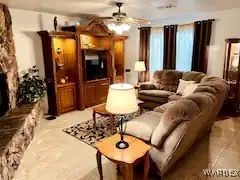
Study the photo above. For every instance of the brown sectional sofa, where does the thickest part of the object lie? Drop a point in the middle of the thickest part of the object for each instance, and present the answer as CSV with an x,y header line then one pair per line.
x,y
174,127
163,87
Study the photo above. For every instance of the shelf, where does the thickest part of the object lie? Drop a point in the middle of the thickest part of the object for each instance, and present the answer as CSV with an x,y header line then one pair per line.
x,y
96,49
95,80
66,84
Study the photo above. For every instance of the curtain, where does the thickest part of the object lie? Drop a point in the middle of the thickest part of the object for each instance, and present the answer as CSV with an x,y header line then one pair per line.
x,y
185,34
202,37
169,57
156,50
144,51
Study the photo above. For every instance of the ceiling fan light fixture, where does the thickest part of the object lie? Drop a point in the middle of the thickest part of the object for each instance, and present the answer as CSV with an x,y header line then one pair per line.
x,y
125,26
119,28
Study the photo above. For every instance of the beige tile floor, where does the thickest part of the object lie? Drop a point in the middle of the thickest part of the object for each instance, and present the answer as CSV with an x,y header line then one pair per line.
x,y
55,155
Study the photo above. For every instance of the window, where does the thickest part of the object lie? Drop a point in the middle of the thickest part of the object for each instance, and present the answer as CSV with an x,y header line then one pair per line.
x,y
184,47
156,50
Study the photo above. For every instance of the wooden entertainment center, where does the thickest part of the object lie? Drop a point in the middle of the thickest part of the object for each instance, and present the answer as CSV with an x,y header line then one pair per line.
x,y
80,64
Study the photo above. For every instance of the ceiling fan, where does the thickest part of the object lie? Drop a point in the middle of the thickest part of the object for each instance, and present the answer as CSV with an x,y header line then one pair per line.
x,y
119,21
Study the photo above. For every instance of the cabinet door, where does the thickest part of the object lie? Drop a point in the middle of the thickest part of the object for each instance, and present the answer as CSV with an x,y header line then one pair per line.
x,y
119,59
66,99
90,95
102,91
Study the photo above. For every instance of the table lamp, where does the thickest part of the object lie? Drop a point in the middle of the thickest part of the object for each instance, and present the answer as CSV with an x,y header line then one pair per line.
x,y
121,100
139,66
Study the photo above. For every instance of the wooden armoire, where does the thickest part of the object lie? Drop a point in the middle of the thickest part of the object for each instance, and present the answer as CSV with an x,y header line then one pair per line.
x,y
80,64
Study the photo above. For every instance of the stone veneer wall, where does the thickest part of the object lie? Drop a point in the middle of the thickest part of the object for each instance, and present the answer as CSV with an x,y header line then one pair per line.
x,y
8,63
17,125
16,133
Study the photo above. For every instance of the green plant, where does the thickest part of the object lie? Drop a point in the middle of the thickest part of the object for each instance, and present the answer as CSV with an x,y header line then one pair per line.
x,y
32,88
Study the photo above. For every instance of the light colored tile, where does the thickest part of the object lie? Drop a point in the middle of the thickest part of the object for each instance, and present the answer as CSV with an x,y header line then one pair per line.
x,y
231,124
229,159
55,155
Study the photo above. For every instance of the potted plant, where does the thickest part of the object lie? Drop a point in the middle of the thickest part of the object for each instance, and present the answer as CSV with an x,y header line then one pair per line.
x,y
31,88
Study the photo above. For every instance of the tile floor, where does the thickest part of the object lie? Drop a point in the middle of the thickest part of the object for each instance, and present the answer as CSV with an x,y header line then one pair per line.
x,y
55,155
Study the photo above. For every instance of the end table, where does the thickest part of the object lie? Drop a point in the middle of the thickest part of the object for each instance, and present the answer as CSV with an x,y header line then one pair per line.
x,y
101,109
137,152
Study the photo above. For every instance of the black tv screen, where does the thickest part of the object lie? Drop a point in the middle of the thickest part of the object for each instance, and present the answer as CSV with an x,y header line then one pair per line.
x,y
96,69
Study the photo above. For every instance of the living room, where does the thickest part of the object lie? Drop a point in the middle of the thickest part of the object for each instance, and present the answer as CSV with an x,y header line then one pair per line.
x,y
119,89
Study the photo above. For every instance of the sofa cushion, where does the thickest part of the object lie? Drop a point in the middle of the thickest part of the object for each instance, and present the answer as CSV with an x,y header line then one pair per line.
x,y
208,89
156,93
158,96
164,107
182,110
193,76
143,126
174,97
217,85
156,79
158,100
147,86
203,101
210,78
170,80
210,95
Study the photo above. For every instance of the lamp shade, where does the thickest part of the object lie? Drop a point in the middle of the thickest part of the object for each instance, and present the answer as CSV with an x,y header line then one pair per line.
x,y
121,99
139,66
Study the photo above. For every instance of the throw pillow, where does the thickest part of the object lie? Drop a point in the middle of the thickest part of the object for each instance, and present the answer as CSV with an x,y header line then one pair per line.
x,y
190,89
182,85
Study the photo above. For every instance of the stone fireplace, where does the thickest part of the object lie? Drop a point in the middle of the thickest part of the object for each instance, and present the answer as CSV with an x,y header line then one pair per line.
x,y
8,63
17,123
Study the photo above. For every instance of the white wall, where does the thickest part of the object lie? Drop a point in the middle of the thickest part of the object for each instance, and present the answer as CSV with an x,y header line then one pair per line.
x,y
225,26
27,42
131,54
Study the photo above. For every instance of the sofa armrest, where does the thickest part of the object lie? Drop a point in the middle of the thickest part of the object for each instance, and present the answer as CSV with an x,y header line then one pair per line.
x,y
180,111
147,86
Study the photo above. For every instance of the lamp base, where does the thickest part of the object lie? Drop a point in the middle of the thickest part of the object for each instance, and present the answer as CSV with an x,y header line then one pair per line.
x,y
122,144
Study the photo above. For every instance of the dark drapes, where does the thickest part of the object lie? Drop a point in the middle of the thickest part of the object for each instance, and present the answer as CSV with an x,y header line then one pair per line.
x,y
169,56
202,37
144,51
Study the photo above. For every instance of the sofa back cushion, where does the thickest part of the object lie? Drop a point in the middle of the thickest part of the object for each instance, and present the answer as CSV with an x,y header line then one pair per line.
x,y
210,78
170,80
204,88
182,110
156,79
202,100
193,76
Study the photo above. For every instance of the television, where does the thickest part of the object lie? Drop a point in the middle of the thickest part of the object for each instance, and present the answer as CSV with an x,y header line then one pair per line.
x,y
96,66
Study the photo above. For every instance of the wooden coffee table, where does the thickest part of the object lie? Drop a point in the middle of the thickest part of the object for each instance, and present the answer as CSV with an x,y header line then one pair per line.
x,y
101,109
137,152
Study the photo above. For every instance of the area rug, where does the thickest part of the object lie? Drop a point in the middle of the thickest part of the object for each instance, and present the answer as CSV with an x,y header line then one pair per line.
x,y
87,134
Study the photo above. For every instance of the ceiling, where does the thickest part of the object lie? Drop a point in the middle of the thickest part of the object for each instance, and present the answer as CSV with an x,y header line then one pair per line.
x,y
136,8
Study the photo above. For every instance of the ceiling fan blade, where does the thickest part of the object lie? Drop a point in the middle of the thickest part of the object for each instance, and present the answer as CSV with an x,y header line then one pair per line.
x,y
136,21
105,18
88,16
